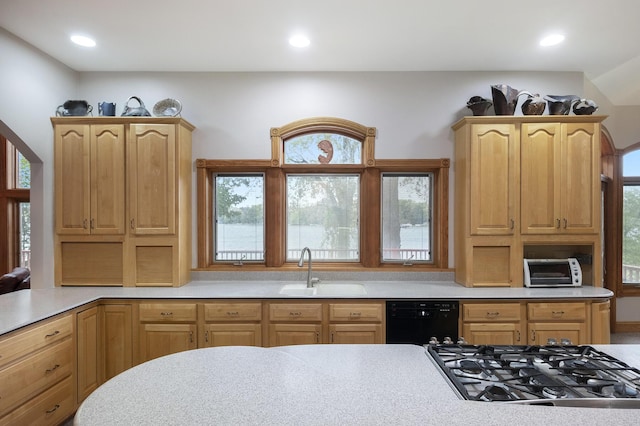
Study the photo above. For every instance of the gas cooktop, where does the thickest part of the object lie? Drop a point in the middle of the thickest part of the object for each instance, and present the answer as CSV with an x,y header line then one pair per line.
x,y
513,373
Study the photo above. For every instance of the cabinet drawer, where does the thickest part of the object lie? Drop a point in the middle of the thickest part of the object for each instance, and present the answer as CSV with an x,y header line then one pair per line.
x,y
491,312
233,311
557,311
32,375
49,408
295,312
168,312
371,312
36,338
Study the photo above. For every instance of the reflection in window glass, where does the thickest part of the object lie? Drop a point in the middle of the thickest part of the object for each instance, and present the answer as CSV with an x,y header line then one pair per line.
x,y
239,217
323,214
322,148
406,217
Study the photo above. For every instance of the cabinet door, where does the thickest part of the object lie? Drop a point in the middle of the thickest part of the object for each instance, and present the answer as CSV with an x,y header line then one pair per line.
x,y
541,332
157,340
232,334
355,333
493,179
117,340
492,333
539,174
294,334
601,319
88,352
152,176
107,179
580,182
72,178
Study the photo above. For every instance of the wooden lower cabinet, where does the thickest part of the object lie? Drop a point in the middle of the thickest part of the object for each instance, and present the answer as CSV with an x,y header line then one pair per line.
x,y
358,323
551,322
88,352
232,324
601,322
300,323
37,373
493,323
166,328
295,323
117,339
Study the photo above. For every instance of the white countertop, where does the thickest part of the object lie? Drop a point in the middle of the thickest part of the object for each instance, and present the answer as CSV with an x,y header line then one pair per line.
x,y
313,385
25,307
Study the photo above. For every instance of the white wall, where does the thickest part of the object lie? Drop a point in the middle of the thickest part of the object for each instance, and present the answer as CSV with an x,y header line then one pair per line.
x,y
233,112
32,85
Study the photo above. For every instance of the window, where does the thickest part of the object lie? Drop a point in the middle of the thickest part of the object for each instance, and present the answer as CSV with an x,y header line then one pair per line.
x,y
324,189
631,219
239,217
15,209
406,217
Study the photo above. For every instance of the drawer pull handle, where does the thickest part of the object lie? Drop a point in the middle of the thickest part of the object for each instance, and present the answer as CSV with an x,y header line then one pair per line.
x,y
295,314
355,314
52,369
84,223
493,314
52,334
557,313
132,224
233,314
53,409
166,314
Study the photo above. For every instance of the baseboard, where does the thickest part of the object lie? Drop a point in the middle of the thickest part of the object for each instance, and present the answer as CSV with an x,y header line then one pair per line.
x,y
627,327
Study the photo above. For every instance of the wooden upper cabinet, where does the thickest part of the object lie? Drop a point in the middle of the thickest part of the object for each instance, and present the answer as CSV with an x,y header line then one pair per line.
x,y
89,179
152,179
560,178
493,179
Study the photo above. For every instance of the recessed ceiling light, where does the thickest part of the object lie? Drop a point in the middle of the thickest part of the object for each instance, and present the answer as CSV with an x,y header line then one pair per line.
x,y
299,40
83,41
552,40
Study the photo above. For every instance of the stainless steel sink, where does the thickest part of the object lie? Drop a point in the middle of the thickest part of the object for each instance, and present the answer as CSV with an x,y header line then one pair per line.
x,y
324,289
584,402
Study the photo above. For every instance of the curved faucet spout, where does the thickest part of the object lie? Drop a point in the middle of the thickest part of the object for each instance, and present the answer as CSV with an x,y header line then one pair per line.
x,y
301,263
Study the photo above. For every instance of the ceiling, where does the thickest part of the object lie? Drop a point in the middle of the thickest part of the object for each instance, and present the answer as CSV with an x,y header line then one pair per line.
x,y
346,35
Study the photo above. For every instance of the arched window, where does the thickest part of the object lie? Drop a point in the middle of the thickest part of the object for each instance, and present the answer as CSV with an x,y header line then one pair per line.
x,y
324,189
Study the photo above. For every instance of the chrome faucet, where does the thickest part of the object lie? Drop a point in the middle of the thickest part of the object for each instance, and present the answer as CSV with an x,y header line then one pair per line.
x,y
310,281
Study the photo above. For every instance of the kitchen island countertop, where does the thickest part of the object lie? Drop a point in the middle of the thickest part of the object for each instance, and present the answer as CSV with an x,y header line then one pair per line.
x,y
316,384
24,307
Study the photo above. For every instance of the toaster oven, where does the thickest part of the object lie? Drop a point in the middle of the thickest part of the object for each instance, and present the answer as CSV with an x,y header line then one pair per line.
x,y
552,273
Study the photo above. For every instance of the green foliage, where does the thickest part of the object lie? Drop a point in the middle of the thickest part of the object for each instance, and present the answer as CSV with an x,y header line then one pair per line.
x,y
631,226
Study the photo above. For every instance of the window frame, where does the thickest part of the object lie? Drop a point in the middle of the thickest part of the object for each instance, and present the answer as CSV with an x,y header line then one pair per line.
x,y
10,199
627,289
370,170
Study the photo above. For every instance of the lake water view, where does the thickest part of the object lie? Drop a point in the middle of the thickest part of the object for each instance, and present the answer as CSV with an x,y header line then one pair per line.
x,y
246,239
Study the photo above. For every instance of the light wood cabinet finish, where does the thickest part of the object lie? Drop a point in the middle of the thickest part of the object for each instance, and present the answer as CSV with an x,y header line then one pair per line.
x,y
292,311
525,181
168,312
89,179
166,328
50,408
117,339
103,240
37,373
355,333
30,376
493,323
41,335
560,178
558,321
88,342
367,312
232,323
600,323
283,334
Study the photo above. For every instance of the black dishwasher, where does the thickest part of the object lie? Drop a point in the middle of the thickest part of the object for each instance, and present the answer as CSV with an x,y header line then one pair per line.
x,y
417,322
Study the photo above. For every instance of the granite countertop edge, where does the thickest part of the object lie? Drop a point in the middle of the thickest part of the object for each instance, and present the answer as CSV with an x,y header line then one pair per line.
x,y
21,308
